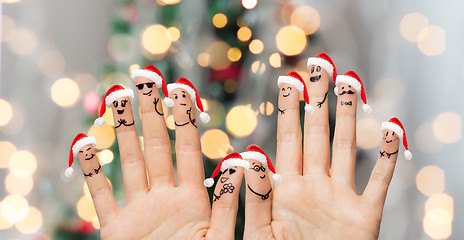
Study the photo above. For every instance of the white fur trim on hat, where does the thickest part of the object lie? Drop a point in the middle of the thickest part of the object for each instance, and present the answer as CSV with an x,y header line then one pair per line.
x,y
277,177
350,81
81,143
321,62
407,155
117,95
394,127
234,162
190,90
204,117
69,172
155,77
208,182
255,156
291,80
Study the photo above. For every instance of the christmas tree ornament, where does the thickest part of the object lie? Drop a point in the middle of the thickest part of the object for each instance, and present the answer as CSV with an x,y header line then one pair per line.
x,y
294,79
254,152
115,93
151,74
231,160
186,85
395,125
352,80
81,141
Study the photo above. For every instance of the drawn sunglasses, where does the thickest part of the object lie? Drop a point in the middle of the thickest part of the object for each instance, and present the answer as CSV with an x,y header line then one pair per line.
x,y
148,84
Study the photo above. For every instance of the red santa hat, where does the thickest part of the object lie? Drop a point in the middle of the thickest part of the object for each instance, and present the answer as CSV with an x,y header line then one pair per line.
x,y
152,73
233,159
192,91
79,142
352,79
294,79
395,125
325,62
114,93
256,153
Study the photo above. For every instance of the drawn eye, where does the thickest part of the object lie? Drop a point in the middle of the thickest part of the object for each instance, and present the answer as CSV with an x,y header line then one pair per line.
x,y
123,103
312,69
289,88
283,89
183,95
386,134
393,134
318,68
343,88
115,104
175,97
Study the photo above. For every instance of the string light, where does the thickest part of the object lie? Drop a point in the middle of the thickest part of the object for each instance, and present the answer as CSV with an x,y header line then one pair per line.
x,y
244,34
65,92
219,20
291,40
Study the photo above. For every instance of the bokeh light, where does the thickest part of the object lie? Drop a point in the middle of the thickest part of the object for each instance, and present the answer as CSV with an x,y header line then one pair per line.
x,y
439,208
307,18
275,60
230,86
121,47
170,122
411,24
168,2
52,63
174,34
447,127
203,59
105,156
219,20
108,116
14,208
6,149
431,40
368,134
249,4
65,92
291,40
244,34
85,209
23,42
258,67
256,46
234,54
215,144
430,180
15,125
87,191
87,82
425,140
104,135
96,223
8,28
241,121
155,39
18,185
11,1
32,223
218,59
6,112
4,224
92,102
266,108
22,164
382,93
436,231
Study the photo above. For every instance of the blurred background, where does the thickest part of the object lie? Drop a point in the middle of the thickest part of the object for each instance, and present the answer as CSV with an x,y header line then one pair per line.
x,y
59,57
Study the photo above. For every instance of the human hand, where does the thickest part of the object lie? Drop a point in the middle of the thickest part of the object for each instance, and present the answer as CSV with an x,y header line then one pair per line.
x,y
157,208
317,200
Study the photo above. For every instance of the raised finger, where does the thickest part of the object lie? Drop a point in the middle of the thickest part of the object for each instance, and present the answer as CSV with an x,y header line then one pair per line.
x,y
157,145
288,154
317,133
132,161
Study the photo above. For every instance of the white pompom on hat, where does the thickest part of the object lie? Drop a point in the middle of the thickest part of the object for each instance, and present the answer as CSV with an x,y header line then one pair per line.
x,y
233,159
294,79
352,79
152,73
256,153
396,126
79,142
113,94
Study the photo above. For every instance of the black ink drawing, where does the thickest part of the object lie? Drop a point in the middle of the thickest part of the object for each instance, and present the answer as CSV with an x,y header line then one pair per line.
x,y
319,104
346,103
346,92
382,154
316,77
156,101
281,111
123,104
91,155
90,174
226,188
258,168
389,141
288,94
192,121
149,86
263,196
124,122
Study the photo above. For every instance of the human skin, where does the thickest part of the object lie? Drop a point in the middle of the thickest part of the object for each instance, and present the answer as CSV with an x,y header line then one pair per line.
x,y
88,160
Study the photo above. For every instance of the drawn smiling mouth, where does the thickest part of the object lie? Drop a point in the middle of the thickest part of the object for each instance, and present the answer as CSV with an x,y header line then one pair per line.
x,y
389,141
148,93
315,78
91,156
183,104
262,177
120,111
286,95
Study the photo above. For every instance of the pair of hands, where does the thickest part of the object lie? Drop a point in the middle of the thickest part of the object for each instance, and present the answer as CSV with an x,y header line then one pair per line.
x,y
315,200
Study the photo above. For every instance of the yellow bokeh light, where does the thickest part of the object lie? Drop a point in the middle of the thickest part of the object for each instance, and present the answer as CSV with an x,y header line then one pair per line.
x,y
430,180
368,134
275,60
168,2
170,122
425,139
96,223
65,92
241,121
437,231
18,185
32,223
218,59
244,34
6,112
23,42
266,108
439,208
104,136
258,67
11,1
256,46
85,209
52,63
6,149
87,191
121,47
105,156
215,144
133,67
249,4
203,59
411,24
219,20
307,18
230,86
4,224
431,40
8,28
291,40
23,164
108,116
447,127
14,208
155,39
234,54
205,104
174,34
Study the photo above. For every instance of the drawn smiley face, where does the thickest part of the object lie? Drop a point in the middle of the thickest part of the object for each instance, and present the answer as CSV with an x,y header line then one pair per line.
x,y
180,97
227,174
390,137
258,168
315,73
146,87
344,88
120,104
87,152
